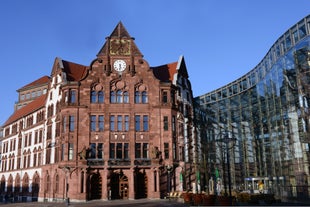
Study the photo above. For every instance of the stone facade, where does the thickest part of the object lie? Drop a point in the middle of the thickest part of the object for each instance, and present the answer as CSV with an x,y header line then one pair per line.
x,y
115,129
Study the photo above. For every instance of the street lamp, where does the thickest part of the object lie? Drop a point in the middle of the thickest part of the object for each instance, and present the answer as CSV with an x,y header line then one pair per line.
x,y
169,170
227,140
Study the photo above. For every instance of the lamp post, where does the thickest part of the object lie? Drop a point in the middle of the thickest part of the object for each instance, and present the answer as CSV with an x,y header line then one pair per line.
x,y
169,169
227,140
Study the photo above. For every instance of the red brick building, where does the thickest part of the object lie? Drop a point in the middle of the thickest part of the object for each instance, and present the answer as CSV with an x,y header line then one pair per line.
x,y
114,129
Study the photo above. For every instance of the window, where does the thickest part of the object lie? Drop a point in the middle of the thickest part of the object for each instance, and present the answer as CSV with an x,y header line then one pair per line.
x,y
144,97
145,123
92,123
119,123
141,150
126,123
49,132
100,151
126,97
145,119
112,150
137,97
71,123
92,151
112,123
70,154
96,97
166,150
119,97
101,123
173,124
93,98
72,98
119,151
96,151
64,124
165,97
112,97
57,129
100,97
141,97
165,123
137,123
96,123
126,151
138,150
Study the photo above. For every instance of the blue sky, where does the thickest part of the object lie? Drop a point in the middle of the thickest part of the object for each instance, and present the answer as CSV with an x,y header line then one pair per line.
x,y
221,40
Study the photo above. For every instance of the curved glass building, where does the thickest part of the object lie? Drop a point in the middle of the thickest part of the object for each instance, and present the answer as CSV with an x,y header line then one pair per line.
x,y
266,114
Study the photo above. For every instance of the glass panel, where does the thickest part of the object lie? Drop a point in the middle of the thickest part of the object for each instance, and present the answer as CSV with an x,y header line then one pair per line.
x,y
93,97
137,123
92,123
101,123
100,97
145,123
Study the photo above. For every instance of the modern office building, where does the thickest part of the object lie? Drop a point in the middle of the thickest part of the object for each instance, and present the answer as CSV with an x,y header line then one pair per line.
x,y
257,127
114,129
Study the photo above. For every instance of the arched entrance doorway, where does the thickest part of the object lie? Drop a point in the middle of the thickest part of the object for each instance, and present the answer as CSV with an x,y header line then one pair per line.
x,y
95,187
140,185
119,186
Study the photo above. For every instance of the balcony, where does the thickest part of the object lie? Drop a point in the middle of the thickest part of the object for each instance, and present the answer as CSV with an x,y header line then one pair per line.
x,y
143,162
118,162
95,162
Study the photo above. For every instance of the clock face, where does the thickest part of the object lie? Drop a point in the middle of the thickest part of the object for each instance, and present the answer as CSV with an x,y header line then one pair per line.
x,y
119,65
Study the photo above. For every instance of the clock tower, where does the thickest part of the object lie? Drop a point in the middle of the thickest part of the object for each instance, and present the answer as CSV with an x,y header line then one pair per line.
x,y
119,52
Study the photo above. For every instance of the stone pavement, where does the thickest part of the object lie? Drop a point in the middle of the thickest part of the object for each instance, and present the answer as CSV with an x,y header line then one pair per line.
x,y
98,203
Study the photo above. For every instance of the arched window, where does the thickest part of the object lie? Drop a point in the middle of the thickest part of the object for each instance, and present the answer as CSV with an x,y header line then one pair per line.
x,y
36,184
96,97
93,97
100,97
17,184
112,97
137,97
144,97
2,184
10,185
119,96
25,183
126,97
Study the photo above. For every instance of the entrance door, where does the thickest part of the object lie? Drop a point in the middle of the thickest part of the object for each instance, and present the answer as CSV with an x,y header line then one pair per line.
x,y
141,185
123,187
95,186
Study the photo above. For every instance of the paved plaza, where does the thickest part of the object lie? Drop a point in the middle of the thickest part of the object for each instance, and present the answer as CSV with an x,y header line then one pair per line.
x,y
136,203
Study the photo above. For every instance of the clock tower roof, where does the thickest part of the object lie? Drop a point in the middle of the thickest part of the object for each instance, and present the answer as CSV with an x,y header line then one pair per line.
x,y
119,35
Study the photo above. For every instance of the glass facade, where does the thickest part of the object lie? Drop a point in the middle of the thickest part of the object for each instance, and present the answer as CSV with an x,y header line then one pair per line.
x,y
267,112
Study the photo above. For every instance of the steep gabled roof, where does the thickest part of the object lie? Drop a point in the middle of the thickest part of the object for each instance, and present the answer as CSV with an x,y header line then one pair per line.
x,y
74,71
28,109
41,81
119,33
166,72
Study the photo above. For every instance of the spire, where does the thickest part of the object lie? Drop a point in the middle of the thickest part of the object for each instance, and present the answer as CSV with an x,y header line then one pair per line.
x,y
119,43
120,31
